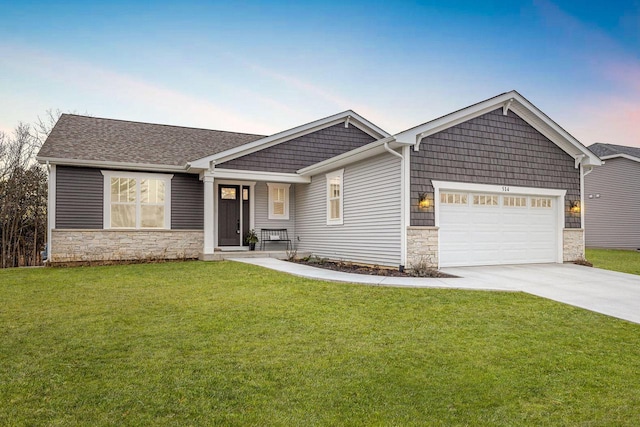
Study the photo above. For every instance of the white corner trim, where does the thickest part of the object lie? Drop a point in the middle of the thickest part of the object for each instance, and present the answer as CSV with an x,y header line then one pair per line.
x,y
243,175
335,174
108,174
406,201
51,207
274,186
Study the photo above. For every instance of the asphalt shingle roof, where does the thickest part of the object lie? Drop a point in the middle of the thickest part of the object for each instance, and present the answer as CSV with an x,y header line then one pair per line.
x,y
91,138
600,149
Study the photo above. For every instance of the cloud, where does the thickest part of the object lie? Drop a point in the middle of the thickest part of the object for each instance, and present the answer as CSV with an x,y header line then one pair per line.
x,y
608,108
116,86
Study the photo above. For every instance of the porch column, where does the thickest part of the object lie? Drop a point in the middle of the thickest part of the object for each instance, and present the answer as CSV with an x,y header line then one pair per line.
x,y
209,233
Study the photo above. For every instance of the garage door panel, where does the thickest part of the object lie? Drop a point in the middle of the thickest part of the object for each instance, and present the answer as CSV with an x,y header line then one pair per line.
x,y
487,235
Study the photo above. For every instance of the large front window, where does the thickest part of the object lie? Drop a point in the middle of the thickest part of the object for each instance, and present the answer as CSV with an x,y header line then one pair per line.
x,y
136,200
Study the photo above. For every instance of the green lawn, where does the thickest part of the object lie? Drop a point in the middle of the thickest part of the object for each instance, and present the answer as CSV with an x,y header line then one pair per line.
x,y
613,259
221,343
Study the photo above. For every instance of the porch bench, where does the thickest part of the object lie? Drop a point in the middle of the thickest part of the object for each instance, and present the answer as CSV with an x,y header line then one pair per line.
x,y
274,235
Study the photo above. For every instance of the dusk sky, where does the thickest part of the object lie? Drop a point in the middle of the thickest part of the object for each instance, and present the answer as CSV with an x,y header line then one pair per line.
x,y
264,67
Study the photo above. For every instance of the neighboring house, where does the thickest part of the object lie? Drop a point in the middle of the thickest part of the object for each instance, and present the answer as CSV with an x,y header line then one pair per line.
x,y
612,198
497,182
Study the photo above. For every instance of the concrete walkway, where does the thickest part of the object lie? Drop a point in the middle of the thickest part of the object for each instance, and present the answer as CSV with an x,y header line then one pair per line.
x,y
607,292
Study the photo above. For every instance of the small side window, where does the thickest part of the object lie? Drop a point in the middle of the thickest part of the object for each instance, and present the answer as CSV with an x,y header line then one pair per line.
x,y
335,197
278,201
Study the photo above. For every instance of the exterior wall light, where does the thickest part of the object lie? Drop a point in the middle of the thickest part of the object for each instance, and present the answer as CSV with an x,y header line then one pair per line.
x,y
574,207
424,201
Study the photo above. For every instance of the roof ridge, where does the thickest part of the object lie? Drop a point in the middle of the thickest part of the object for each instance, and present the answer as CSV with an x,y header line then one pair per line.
x,y
160,124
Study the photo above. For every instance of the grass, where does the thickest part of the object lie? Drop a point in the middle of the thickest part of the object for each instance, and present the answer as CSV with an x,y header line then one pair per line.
x,y
221,343
615,259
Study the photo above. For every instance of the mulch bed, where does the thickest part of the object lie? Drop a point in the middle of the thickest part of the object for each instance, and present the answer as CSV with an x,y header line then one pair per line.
x,y
347,267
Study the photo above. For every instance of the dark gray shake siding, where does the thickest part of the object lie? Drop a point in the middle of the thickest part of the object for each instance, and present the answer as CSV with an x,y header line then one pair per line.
x,y
613,219
492,149
80,195
187,202
303,151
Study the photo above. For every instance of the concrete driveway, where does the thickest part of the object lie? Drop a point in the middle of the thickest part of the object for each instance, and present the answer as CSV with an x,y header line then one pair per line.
x,y
602,291
608,292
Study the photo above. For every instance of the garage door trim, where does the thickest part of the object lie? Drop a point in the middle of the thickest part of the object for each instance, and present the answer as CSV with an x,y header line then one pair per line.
x,y
506,189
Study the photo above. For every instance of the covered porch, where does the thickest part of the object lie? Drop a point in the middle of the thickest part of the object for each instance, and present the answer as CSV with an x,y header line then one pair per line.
x,y
237,201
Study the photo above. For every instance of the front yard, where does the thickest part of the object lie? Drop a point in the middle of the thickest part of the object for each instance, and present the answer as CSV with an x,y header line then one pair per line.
x,y
221,343
615,259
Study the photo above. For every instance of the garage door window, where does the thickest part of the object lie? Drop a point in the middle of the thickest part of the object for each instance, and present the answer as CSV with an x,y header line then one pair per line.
x,y
541,202
514,202
485,200
453,198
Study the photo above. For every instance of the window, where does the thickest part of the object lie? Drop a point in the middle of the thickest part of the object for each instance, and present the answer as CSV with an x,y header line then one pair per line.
x,y
485,200
228,193
278,201
136,200
453,198
514,201
335,197
541,202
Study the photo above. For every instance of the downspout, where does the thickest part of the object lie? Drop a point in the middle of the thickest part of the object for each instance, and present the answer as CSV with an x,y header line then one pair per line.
x,y
584,171
386,147
403,203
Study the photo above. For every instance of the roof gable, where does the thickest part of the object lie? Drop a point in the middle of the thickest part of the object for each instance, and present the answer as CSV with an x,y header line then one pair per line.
x,y
507,101
348,118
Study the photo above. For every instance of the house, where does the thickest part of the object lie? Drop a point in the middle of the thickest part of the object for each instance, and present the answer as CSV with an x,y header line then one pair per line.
x,y
612,199
497,182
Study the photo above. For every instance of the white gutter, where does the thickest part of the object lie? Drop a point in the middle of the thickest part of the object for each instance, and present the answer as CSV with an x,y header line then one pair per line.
x,y
112,165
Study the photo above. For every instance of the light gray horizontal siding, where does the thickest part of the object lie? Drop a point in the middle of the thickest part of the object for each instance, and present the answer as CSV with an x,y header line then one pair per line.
x,y
371,232
613,219
79,198
262,215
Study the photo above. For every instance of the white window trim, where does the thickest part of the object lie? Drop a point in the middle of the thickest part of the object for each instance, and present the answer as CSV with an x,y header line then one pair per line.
x,y
138,176
274,186
329,176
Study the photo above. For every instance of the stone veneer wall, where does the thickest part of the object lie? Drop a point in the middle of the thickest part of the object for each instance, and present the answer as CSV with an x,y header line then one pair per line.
x,y
422,246
572,244
111,245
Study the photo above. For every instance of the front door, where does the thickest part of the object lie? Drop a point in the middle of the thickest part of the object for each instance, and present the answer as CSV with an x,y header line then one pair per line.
x,y
233,214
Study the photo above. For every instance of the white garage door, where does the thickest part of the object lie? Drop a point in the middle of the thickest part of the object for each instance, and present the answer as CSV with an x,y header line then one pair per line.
x,y
489,229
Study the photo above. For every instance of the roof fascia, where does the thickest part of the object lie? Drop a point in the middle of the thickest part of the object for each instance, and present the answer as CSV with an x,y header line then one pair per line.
x,y
372,149
510,100
621,155
111,165
349,117
243,175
